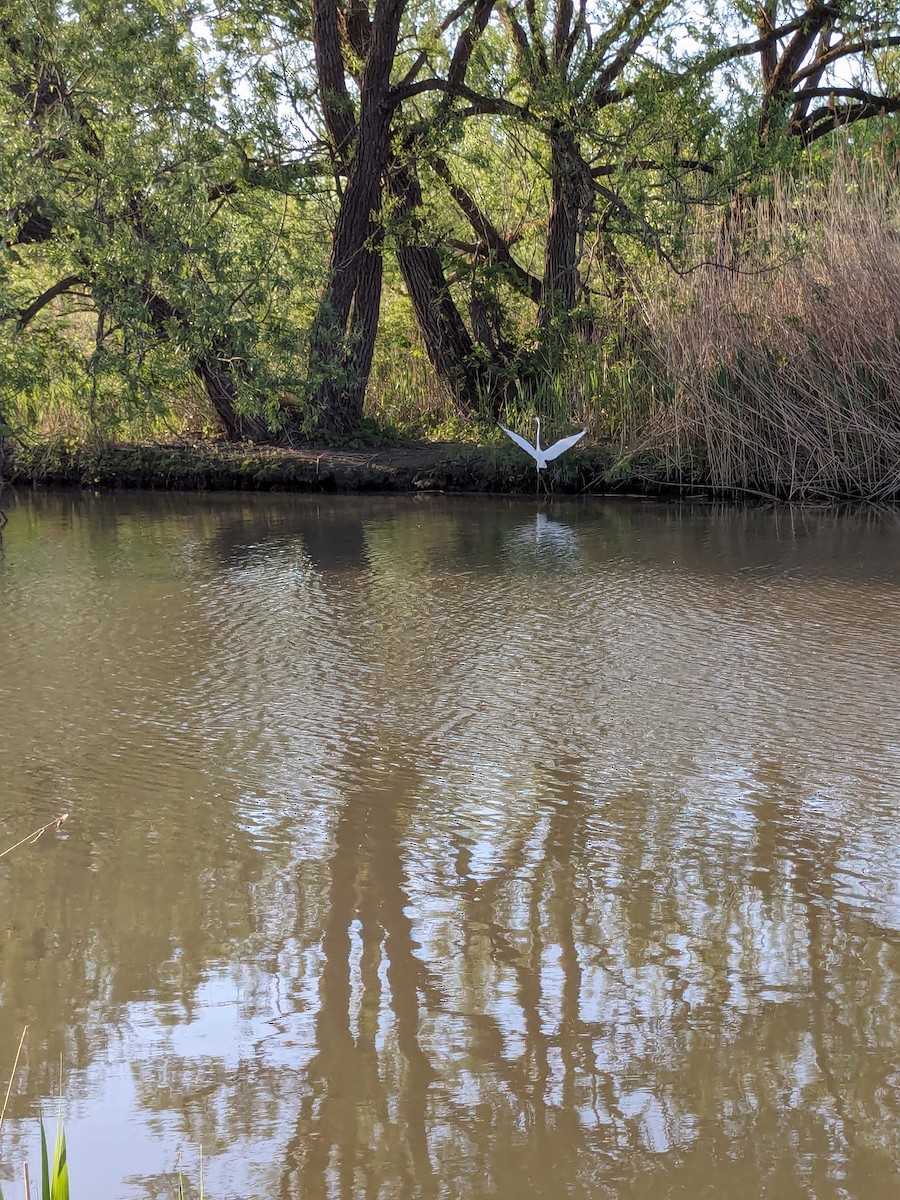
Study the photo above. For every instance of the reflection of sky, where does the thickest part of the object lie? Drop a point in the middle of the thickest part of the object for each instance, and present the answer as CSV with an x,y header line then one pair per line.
x,y
631,796
164,1056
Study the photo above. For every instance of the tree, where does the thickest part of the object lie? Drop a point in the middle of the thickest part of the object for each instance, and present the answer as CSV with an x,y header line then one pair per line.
x,y
831,71
626,117
175,178
124,193
350,41
587,105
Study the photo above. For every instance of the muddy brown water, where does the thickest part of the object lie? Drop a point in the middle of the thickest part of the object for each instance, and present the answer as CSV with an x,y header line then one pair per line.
x,y
451,849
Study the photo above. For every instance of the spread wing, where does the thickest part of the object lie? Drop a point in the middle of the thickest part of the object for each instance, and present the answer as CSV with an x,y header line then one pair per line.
x,y
562,445
520,441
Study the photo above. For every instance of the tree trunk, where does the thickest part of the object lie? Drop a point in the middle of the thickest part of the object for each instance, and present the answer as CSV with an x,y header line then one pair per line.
x,y
215,370
364,315
218,381
447,340
571,197
343,333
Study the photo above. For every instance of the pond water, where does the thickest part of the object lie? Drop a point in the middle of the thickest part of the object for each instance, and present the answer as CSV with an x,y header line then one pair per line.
x,y
432,848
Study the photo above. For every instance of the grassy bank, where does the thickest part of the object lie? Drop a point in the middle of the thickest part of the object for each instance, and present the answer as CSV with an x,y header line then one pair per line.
x,y
417,467
413,467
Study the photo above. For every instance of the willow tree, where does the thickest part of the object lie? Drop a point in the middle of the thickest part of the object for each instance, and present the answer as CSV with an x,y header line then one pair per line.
x,y
834,65
574,86
129,213
363,85
625,115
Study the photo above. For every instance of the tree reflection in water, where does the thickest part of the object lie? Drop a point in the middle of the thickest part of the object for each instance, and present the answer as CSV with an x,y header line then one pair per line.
x,y
419,854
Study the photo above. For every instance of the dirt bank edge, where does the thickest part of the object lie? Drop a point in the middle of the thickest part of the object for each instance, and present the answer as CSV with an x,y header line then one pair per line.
x,y
417,467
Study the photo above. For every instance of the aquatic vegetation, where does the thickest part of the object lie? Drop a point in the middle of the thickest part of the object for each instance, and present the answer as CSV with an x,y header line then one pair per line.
x,y
55,1171
54,1180
782,369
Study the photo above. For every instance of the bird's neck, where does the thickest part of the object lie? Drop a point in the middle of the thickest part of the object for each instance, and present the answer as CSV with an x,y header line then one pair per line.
x,y
537,439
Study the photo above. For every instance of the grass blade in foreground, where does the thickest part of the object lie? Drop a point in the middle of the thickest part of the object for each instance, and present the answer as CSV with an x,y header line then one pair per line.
x,y
55,1183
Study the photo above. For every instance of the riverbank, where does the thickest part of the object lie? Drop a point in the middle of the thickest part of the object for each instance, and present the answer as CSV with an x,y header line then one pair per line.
x,y
440,466
410,467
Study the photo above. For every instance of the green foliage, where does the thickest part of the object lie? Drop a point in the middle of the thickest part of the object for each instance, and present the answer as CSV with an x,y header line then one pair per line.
x,y
168,275
54,1172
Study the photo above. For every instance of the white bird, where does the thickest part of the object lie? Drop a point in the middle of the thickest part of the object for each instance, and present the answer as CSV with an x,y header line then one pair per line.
x,y
542,457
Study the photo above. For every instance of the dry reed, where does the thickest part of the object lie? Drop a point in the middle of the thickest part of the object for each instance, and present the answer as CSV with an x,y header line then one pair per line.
x,y
781,354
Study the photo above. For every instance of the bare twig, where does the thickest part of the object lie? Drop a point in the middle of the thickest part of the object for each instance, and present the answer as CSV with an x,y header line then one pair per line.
x,y
12,1076
33,837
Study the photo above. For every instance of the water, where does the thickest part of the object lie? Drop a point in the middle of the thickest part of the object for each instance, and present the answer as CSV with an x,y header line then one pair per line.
x,y
451,849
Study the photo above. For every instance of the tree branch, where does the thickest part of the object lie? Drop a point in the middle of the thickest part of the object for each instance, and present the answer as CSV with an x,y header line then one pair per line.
x,y
727,54
489,235
537,38
649,164
28,313
844,50
579,28
769,54
337,105
879,103
480,105
802,106
822,121
815,19
609,75
459,63
519,36
422,57
562,28
262,171
604,45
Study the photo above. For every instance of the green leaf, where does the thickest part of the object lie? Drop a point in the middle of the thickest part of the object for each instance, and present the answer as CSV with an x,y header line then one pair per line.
x,y
59,1185
55,1182
45,1167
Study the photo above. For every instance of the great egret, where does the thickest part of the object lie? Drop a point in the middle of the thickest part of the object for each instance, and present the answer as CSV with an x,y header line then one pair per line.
x,y
542,457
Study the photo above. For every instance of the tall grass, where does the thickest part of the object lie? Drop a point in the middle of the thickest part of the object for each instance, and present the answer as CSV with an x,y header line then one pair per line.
x,y
780,356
